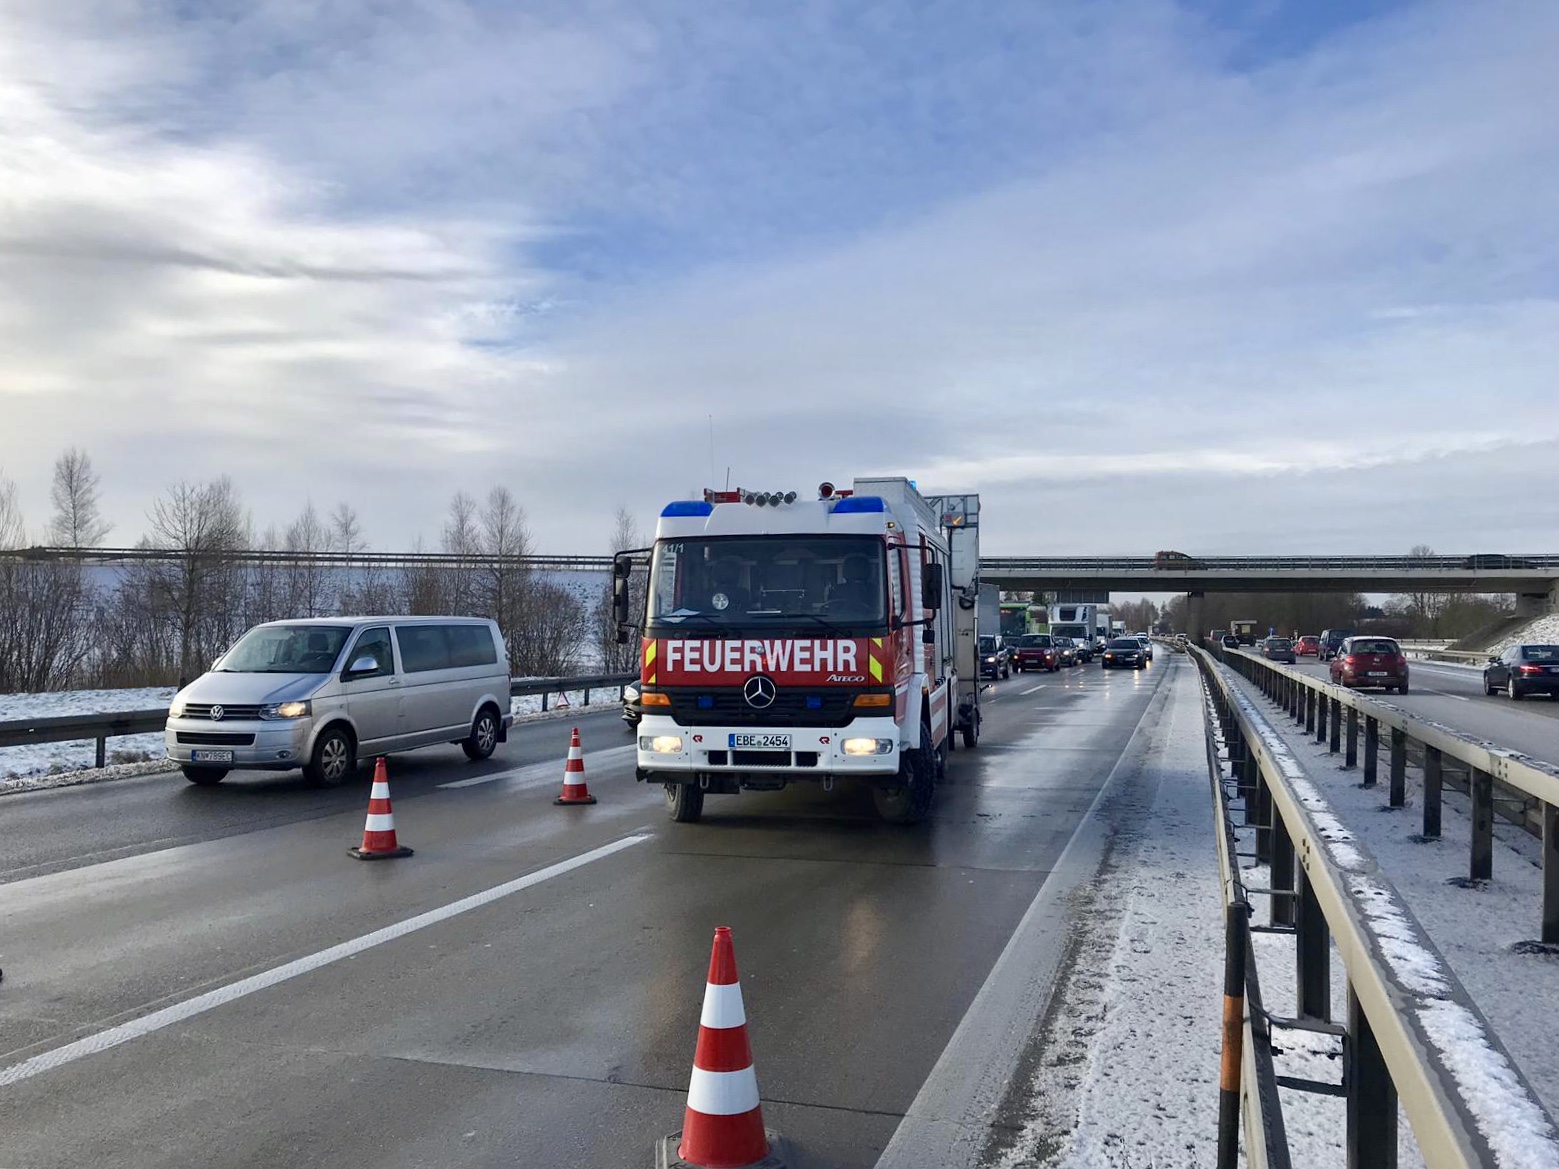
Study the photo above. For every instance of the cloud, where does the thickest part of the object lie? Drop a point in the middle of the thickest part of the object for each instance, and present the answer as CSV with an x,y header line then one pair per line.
x,y
1088,259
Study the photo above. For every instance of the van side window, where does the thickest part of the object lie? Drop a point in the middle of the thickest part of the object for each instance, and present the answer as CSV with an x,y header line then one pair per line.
x,y
373,643
471,645
423,647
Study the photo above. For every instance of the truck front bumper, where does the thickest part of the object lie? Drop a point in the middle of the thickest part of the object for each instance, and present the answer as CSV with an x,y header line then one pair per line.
x,y
668,752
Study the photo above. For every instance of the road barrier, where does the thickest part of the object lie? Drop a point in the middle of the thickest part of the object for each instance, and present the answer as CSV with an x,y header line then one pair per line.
x,y
1412,1032
102,727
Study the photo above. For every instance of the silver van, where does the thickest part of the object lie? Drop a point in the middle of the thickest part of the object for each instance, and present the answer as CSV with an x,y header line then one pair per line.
x,y
322,693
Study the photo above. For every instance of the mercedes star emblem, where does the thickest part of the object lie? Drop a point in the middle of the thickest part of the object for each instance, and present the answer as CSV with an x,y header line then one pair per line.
x,y
760,692
216,714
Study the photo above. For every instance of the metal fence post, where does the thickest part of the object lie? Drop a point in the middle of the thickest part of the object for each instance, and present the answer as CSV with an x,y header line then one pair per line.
x,y
1313,953
1282,872
1398,767
544,701
1371,751
1481,787
1310,705
1322,712
1434,778
101,756
1351,756
1263,796
1235,919
587,696
1372,1098
1335,744
1551,873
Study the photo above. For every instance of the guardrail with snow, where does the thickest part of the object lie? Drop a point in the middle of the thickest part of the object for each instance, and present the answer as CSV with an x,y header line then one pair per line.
x,y
1412,1033
102,727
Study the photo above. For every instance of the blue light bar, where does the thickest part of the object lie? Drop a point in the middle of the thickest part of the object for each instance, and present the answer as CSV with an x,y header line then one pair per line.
x,y
688,507
859,503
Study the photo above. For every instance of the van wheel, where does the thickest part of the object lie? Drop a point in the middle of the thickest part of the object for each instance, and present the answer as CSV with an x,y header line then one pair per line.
x,y
685,802
204,776
910,802
483,740
334,759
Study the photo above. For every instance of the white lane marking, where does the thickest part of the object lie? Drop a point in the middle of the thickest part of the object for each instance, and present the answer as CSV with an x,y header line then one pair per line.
x,y
1031,689
951,1111
534,772
157,1020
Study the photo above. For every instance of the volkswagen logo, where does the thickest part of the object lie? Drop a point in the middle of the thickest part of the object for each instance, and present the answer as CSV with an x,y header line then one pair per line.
x,y
760,692
216,714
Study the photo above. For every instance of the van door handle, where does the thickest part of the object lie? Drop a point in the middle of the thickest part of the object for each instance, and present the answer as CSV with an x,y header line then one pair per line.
x,y
393,682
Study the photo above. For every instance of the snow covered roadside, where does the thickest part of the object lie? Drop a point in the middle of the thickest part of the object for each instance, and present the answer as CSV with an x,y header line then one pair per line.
x,y
58,759
1124,1071
1476,930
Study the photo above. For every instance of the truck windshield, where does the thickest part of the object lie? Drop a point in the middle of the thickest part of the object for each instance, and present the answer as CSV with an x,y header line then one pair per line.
x,y
740,581
286,649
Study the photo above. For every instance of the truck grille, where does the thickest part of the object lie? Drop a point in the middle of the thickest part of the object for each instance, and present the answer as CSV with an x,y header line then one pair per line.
x,y
791,708
229,713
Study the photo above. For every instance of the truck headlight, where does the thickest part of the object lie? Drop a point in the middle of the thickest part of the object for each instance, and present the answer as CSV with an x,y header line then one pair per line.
x,y
661,744
868,746
284,710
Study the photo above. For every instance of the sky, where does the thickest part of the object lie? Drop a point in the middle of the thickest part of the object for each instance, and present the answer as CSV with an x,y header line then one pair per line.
x,y
1218,276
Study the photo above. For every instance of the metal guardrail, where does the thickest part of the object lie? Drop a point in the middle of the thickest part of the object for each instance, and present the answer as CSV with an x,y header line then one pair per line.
x,y
1323,888
1346,720
102,727
1457,564
290,559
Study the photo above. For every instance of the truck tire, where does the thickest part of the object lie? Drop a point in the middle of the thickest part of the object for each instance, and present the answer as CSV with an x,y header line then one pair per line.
x,y
910,802
972,732
204,776
685,802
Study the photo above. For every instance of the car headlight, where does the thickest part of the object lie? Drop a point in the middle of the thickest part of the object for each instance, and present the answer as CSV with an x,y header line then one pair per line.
x,y
868,746
285,710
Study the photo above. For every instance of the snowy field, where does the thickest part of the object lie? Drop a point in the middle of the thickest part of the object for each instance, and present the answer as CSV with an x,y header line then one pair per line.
x,y
44,759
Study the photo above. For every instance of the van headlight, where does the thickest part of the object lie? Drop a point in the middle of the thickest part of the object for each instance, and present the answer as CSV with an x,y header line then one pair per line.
x,y
176,708
284,710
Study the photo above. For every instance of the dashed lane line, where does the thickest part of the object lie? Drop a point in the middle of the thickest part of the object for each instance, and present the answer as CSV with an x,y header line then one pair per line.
x,y
1031,689
157,1020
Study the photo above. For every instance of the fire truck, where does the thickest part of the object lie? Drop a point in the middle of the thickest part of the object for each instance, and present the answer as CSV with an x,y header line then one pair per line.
x,y
828,640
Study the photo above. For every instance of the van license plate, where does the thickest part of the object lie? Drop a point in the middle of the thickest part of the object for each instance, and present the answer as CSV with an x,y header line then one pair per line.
x,y
210,756
760,742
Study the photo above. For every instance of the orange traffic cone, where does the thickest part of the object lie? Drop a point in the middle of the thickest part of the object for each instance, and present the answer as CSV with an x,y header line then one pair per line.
x,y
723,1125
379,841
575,790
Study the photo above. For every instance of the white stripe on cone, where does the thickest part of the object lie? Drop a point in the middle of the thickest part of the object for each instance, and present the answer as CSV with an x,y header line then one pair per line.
x,y
380,822
723,1006
723,1093
381,791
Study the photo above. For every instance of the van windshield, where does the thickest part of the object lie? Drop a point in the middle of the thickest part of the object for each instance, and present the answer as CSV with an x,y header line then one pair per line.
x,y
286,649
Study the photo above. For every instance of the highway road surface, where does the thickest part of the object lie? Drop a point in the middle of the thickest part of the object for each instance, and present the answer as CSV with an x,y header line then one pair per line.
x,y
202,976
1453,695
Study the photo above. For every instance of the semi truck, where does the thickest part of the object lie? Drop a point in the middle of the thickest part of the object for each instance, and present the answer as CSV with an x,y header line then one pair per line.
x,y
785,640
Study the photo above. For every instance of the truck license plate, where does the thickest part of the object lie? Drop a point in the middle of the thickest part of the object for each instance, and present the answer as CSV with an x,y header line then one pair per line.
x,y
210,756
760,742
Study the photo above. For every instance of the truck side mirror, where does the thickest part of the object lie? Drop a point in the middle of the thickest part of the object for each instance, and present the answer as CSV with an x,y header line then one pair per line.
x,y
931,586
622,595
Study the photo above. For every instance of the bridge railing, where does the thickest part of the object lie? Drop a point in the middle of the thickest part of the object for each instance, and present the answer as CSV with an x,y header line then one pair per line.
x,y
115,724
1399,1041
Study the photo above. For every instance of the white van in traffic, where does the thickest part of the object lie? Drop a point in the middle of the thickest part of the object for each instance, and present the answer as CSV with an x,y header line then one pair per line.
x,y
322,693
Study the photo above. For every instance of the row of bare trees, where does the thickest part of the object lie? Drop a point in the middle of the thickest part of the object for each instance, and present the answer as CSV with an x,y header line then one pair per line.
x,y
162,619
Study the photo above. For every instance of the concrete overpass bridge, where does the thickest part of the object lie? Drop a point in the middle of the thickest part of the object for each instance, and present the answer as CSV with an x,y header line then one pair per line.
x,y
1533,579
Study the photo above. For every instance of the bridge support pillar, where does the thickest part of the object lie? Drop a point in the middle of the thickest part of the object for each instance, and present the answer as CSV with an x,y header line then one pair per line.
x,y
1533,605
1195,617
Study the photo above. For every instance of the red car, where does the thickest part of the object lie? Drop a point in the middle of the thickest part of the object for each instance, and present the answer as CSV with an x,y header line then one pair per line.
x,y
1036,651
1308,646
1370,661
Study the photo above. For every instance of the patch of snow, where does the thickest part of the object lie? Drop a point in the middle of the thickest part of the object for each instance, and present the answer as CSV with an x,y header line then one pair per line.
x,y
1541,629
36,759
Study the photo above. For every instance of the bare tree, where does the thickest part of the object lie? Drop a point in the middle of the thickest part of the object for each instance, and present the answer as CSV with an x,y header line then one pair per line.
x,y
203,524
1425,608
42,614
13,532
617,658
77,521
503,580
309,582
346,533
462,539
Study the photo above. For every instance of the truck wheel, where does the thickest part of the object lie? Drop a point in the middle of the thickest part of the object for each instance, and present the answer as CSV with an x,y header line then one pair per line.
x,y
483,739
204,776
972,732
685,802
911,800
334,759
